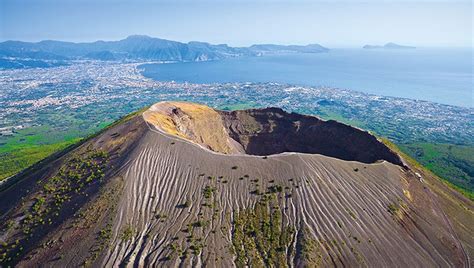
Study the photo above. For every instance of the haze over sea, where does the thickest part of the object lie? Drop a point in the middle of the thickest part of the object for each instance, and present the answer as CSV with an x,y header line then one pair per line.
x,y
438,75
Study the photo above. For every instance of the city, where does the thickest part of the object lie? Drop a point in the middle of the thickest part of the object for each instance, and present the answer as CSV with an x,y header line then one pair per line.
x,y
115,89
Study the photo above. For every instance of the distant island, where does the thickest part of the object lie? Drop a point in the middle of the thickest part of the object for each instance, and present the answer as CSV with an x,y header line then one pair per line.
x,y
388,46
17,54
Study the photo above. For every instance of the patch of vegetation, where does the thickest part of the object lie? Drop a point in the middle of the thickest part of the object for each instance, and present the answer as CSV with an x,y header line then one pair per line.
x,y
236,106
17,158
392,209
159,216
196,247
259,237
45,206
325,112
105,234
102,242
351,213
186,204
454,163
309,249
208,191
255,192
275,189
30,145
127,233
466,192
200,223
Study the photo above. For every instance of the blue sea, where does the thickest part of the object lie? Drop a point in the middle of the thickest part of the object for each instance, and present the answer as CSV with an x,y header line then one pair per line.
x,y
438,75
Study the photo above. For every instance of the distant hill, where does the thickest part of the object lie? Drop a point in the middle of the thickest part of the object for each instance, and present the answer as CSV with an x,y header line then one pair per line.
x,y
6,63
388,46
269,48
140,47
101,55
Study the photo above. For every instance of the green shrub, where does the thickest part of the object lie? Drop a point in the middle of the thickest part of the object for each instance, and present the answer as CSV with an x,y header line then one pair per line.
x,y
127,233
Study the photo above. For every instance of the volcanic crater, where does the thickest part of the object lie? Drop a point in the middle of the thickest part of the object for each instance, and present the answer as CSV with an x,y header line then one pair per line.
x,y
180,184
266,132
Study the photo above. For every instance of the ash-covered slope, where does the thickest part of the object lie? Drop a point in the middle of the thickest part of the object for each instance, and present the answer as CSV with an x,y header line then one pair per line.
x,y
178,185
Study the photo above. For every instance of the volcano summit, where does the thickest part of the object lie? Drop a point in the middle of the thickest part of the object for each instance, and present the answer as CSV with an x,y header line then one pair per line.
x,y
182,184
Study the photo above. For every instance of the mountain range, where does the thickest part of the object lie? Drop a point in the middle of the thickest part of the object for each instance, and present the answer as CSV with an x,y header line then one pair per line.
x,y
135,48
180,184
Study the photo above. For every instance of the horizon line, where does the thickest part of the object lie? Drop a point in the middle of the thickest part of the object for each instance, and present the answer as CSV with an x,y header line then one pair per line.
x,y
247,45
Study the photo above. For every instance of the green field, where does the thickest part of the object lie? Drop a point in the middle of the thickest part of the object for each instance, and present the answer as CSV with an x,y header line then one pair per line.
x,y
14,160
28,146
328,114
454,163
237,106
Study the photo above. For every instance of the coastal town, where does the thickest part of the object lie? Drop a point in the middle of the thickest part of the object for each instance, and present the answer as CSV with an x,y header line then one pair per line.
x,y
98,91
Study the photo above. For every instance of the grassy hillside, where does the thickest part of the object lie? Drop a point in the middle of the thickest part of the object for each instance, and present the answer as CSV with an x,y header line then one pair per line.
x,y
30,145
16,158
469,193
451,162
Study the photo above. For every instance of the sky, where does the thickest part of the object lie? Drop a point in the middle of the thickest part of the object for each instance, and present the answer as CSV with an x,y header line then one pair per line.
x,y
339,23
